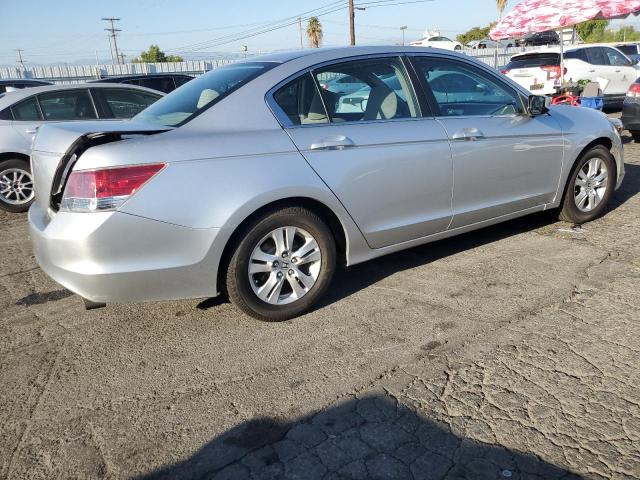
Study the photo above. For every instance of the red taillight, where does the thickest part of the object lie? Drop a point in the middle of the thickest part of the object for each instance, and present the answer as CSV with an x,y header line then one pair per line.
x,y
504,71
553,71
634,90
107,188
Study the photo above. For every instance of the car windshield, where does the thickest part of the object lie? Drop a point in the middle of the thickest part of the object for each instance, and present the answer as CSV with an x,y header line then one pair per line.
x,y
534,60
201,93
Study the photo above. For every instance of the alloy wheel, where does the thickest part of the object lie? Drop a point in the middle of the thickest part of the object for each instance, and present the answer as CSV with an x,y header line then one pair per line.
x,y
285,265
16,186
590,185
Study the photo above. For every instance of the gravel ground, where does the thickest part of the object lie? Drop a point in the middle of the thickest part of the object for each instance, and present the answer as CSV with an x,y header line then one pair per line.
x,y
510,352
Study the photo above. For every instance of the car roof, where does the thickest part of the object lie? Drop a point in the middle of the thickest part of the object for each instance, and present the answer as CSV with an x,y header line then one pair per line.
x,y
9,98
137,76
23,80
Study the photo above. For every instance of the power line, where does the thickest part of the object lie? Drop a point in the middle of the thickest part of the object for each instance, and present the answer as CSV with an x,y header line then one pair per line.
x,y
20,61
112,38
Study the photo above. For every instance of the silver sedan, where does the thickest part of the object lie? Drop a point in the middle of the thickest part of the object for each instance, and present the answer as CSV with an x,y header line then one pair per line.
x,y
249,181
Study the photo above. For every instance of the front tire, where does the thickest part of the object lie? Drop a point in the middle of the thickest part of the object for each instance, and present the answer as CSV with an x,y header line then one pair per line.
x,y
589,187
635,134
282,264
16,185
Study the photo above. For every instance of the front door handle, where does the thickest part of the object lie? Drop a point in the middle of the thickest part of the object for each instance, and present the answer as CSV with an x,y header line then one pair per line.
x,y
31,131
337,142
467,134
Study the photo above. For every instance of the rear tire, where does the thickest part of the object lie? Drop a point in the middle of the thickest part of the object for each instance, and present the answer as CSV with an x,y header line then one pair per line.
x,y
586,194
457,48
16,185
635,134
266,279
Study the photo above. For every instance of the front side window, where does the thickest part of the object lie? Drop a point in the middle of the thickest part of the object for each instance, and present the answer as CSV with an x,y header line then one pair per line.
x,y
67,105
27,110
616,58
300,101
460,89
201,93
384,91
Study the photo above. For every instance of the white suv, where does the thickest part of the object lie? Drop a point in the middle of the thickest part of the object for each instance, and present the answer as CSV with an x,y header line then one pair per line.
x,y
539,71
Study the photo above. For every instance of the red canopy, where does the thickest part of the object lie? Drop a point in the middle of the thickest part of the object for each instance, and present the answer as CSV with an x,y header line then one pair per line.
x,y
531,16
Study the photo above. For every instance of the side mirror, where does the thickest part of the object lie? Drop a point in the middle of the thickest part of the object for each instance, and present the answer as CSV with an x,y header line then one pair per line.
x,y
538,104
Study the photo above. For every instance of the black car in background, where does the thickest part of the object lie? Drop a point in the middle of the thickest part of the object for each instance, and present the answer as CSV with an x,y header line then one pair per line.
x,y
163,82
631,110
631,50
549,37
21,83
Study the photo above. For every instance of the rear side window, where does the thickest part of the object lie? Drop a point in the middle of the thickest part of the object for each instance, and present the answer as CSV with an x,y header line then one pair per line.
x,y
181,80
579,54
385,93
27,110
596,56
67,105
300,101
6,114
534,60
124,103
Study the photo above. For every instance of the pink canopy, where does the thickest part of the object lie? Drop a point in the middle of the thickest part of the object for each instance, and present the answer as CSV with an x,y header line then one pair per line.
x,y
531,16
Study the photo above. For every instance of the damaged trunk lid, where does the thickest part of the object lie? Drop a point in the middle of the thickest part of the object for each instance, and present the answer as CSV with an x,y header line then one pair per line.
x,y
58,146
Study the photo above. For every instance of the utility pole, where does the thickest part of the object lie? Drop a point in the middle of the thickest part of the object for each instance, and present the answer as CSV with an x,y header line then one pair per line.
x,y
403,28
20,60
113,31
352,28
300,30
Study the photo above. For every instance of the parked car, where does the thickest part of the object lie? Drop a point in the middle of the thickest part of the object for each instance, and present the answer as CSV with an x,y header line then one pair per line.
x,y
539,71
438,42
549,37
631,111
631,50
488,43
22,112
19,83
247,181
162,82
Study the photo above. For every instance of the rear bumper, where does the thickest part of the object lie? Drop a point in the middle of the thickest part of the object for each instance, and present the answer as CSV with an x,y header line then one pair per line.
x,y
118,257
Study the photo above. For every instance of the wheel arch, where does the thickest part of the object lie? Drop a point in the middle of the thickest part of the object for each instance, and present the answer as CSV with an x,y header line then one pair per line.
x,y
13,155
338,230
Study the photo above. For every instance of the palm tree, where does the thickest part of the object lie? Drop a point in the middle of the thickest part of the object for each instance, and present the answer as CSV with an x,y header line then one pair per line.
x,y
501,4
314,32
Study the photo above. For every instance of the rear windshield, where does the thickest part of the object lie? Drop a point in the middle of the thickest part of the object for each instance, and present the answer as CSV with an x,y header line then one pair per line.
x,y
195,96
628,49
534,60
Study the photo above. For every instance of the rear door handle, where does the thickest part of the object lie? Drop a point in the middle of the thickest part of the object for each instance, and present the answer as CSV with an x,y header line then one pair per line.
x,y
337,142
467,134
31,131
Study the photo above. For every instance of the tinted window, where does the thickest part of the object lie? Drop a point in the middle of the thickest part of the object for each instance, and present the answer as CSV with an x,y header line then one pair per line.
x,y
385,92
124,103
181,80
26,110
162,84
201,93
579,54
6,114
461,89
67,105
616,58
534,60
628,49
596,56
300,101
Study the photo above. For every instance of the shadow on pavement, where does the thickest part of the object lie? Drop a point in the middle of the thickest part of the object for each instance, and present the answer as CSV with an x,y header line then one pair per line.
x,y
368,438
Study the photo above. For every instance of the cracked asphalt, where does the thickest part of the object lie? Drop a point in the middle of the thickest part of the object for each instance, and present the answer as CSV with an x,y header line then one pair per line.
x,y
510,352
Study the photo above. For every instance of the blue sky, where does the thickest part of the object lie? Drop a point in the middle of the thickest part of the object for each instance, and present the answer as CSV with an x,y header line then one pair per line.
x,y
71,30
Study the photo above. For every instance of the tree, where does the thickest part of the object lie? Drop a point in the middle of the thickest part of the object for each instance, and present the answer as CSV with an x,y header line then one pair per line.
x,y
314,32
501,4
476,33
155,55
592,31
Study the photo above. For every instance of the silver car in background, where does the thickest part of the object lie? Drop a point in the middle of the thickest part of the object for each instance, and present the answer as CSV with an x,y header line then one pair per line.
x,y
250,181
23,111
